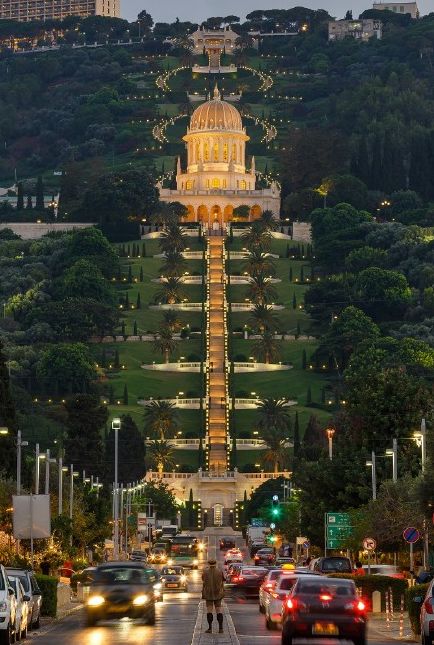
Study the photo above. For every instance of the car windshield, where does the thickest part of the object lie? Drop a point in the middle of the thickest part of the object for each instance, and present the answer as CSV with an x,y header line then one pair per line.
x,y
317,588
121,575
25,582
171,571
13,584
273,575
338,564
253,572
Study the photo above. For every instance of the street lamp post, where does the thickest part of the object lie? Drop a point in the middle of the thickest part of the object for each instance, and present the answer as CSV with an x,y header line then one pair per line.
x,y
330,434
47,470
37,470
20,444
60,483
72,474
116,426
372,464
393,452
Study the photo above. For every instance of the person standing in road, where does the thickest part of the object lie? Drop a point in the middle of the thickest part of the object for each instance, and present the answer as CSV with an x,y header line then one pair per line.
x,y
213,593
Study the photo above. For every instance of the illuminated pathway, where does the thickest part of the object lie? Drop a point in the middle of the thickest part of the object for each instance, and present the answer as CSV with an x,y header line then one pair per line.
x,y
217,348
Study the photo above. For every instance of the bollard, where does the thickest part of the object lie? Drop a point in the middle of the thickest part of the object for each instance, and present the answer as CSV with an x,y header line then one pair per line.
x,y
391,603
387,611
376,602
401,618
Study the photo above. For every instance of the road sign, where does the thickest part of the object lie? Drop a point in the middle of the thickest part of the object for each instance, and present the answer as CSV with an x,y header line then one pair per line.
x,y
300,540
339,519
369,544
411,535
338,532
256,521
335,544
306,544
144,522
275,498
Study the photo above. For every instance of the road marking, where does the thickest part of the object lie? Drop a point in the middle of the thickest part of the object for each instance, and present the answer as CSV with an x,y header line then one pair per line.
x,y
197,632
231,626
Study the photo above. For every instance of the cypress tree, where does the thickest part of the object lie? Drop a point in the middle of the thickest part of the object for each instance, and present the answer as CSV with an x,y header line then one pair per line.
x,y
29,202
298,329
111,394
116,361
125,395
103,358
143,250
40,205
20,196
130,274
297,443
294,301
141,274
234,455
128,250
288,253
304,360
309,396
119,275
290,274
135,328
302,274
127,300
138,303
200,459
323,395
191,518
123,328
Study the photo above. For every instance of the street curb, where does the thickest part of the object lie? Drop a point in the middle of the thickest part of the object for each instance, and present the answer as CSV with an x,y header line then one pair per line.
x,y
54,623
211,639
197,632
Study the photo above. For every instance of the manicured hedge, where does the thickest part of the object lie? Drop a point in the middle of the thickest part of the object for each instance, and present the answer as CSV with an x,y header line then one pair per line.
x,y
414,607
48,587
369,584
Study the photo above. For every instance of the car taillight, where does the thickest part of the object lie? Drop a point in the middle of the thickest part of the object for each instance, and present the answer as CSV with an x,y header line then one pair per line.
x,y
360,606
268,585
290,604
428,606
237,579
256,557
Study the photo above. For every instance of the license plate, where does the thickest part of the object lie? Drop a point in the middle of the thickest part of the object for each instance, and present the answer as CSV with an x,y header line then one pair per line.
x,y
171,585
325,629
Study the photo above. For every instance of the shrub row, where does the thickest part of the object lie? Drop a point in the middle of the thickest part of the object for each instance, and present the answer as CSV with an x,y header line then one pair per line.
x,y
369,584
48,587
413,606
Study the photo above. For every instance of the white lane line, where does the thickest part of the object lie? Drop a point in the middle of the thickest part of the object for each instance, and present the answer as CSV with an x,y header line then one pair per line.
x,y
231,627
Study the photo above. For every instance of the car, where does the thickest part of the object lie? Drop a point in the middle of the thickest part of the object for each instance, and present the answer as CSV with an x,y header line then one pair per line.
x,y
174,578
233,556
282,560
255,546
427,615
233,570
121,590
331,564
384,570
264,556
247,583
158,555
22,615
138,556
273,601
267,585
31,589
8,608
324,608
226,543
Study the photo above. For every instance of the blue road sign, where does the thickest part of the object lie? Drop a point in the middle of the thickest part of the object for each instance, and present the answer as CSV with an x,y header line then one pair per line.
x,y
411,534
306,544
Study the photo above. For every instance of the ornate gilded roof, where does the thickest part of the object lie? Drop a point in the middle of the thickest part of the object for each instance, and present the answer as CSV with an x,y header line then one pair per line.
x,y
216,114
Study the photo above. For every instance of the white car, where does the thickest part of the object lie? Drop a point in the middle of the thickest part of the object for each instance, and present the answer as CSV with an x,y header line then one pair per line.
x,y
267,587
273,602
8,609
427,616
233,555
22,612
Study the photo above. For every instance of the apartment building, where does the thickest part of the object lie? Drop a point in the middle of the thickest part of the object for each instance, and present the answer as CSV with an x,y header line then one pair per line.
x,y
398,7
358,29
28,10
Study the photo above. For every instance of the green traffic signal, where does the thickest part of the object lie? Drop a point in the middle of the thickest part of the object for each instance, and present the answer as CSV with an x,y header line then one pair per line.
x,y
275,512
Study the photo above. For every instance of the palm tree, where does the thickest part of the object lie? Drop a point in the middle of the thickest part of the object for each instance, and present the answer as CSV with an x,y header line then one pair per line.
x,y
160,419
161,455
263,319
261,290
174,264
171,321
259,262
171,291
273,413
268,220
257,236
267,347
172,239
277,452
164,343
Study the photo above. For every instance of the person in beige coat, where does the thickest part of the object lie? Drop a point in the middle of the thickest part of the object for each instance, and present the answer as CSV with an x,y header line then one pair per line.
x,y
213,592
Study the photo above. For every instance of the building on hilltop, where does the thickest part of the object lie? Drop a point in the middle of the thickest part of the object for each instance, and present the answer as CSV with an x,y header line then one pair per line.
x,y
29,10
398,7
216,181
214,42
358,29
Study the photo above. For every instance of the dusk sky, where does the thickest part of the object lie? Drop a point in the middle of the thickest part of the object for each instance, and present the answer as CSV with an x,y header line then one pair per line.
x,y
197,10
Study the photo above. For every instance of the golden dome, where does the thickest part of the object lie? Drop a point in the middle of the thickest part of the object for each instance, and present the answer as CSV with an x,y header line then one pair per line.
x,y
216,115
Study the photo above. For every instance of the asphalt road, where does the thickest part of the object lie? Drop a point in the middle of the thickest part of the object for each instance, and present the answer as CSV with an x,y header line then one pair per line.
x,y
176,618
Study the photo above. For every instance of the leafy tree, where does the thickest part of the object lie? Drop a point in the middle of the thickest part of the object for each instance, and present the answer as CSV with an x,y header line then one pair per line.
x,y
85,418
131,447
382,292
68,364
365,257
314,441
40,204
84,280
351,329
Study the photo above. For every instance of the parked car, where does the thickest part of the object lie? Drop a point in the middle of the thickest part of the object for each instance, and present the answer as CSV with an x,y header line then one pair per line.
x,y
22,615
427,615
331,564
8,608
31,589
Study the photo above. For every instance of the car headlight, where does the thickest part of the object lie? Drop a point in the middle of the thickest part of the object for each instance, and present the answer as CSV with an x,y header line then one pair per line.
x,y
170,561
183,578
3,606
140,600
157,585
95,601
195,561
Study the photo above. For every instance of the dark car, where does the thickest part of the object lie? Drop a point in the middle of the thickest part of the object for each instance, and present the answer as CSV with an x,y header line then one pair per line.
x,y
174,578
331,564
324,608
138,556
264,556
246,583
254,548
31,589
233,570
227,543
121,590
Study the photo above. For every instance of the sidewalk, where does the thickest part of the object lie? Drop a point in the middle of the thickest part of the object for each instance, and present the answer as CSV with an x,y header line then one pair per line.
x,y
377,626
229,636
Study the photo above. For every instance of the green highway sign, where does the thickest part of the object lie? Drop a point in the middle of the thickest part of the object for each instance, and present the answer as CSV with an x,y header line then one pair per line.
x,y
338,532
338,519
335,544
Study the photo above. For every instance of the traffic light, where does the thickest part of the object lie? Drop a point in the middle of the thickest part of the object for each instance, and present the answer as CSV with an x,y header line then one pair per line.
x,y
275,507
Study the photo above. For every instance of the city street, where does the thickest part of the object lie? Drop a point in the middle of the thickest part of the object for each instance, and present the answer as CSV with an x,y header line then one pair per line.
x,y
176,620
